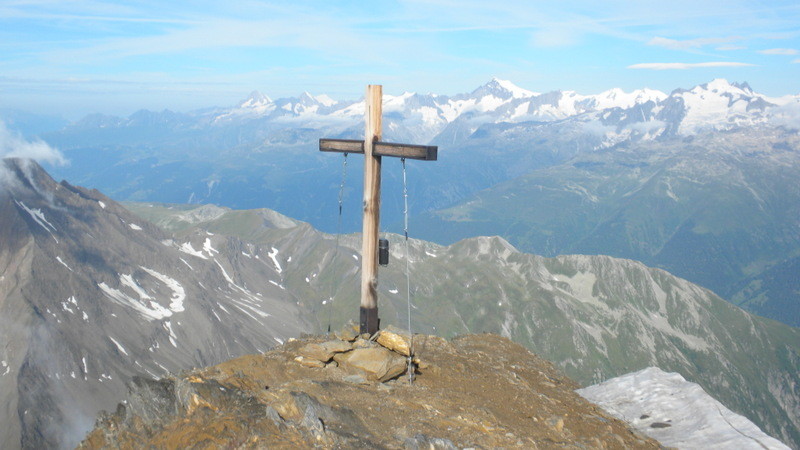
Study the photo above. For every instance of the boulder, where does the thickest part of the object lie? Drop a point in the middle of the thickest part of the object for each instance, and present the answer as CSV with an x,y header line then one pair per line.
x,y
376,364
309,362
349,332
324,352
395,339
364,343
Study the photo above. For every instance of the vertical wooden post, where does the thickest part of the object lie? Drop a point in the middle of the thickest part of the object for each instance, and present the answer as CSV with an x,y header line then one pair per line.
x,y
369,321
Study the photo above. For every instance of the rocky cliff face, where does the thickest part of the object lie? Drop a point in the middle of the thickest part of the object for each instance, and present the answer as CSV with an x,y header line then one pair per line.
x,y
91,295
474,391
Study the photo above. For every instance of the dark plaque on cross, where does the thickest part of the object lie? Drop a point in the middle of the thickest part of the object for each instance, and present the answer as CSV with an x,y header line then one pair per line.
x,y
373,149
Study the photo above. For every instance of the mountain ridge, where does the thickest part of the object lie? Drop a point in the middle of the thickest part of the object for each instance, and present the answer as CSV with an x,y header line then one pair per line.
x,y
91,295
496,101
716,209
596,317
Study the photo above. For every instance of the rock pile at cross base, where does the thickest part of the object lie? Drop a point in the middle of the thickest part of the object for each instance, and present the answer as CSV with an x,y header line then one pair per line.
x,y
479,391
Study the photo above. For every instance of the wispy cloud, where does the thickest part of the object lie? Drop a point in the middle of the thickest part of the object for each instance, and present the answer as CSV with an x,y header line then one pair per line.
x,y
12,145
90,18
674,44
684,66
727,48
779,51
555,37
440,45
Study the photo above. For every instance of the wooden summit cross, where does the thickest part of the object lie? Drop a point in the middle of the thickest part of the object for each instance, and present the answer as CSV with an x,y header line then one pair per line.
x,y
373,149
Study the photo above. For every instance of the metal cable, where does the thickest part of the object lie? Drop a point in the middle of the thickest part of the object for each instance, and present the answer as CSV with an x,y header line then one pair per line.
x,y
334,284
410,369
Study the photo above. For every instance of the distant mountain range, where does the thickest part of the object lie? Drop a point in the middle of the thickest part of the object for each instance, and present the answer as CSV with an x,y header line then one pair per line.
x,y
259,152
699,182
421,118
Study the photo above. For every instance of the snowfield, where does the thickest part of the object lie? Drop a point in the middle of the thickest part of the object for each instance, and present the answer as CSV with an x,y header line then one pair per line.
x,y
676,412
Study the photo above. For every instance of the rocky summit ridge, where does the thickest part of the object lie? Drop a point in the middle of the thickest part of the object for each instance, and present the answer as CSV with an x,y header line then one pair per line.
x,y
478,391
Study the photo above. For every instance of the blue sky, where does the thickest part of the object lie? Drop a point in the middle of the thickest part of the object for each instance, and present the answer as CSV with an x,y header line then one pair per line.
x,y
71,57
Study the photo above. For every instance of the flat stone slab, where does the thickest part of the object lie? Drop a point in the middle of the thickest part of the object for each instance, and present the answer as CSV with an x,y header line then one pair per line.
x,y
309,362
377,363
395,339
324,351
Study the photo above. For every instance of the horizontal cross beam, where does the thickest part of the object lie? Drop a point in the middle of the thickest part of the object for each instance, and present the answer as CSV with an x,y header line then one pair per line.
x,y
423,152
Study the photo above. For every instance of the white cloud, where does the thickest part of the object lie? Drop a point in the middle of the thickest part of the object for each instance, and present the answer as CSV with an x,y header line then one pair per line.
x,y
727,48
554,37
684,66
779,51
674,44
646,127
596,128
787,115
12,145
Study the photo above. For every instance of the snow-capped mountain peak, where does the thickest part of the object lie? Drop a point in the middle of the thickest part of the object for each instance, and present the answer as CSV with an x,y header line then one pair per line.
x,y
394,102
324,100
255,100
516,91
722,86
256,104
502,89
306,101
616,97
718,104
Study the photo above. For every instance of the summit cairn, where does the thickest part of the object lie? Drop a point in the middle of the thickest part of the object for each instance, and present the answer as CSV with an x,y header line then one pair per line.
x,y
365,359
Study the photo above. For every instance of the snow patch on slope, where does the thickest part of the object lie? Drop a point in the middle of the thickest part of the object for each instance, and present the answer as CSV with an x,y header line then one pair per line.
x,y
273,255
38,216
58,258
178,293
187,248
208,248
119,346
676,412
150,310
145,304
